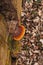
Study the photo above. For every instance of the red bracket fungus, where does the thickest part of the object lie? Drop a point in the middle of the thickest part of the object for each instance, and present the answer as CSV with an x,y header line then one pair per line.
x,y
19,33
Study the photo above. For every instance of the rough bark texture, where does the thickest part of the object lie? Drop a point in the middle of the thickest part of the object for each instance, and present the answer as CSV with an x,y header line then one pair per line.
x,y
9,12
4,54
4,48
18,5
9,6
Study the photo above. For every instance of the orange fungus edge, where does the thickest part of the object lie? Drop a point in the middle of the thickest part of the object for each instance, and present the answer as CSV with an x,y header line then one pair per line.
x,y
19,37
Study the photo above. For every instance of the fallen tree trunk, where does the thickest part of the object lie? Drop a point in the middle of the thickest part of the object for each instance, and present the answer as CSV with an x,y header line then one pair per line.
x,y
18,5
4,55
4,48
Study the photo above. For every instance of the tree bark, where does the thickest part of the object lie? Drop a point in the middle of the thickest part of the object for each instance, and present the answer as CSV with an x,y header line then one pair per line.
x,y
4,48
18,5
4,54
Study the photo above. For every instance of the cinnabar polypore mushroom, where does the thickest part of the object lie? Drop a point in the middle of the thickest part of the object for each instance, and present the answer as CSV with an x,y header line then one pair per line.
x,y
19,33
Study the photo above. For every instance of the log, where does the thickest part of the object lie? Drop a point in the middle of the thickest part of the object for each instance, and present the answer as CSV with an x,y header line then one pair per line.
x,y
4,48
5,58
4,54
18,5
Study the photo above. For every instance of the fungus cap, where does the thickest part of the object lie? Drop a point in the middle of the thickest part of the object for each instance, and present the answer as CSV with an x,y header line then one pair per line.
x,y
20,33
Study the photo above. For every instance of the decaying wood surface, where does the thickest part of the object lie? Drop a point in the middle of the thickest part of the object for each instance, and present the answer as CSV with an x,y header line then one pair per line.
x,y
4,54
8,8
4,48
18,5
